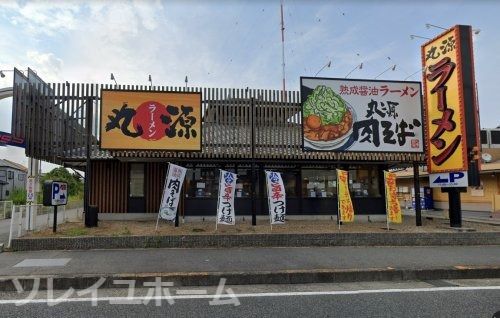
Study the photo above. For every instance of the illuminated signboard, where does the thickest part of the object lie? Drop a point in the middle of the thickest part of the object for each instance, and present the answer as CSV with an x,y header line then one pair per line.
x,y
361,115
149,120
452,128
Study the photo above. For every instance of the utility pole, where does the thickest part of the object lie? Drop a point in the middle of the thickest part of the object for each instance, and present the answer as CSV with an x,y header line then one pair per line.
x,y
254,179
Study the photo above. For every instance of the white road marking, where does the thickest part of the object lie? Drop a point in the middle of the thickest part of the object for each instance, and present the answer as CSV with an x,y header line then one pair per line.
x,y
43,262
191,292
250,295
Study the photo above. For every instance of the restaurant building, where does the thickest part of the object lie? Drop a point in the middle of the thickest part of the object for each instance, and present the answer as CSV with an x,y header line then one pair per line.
x,y
482,198
246,131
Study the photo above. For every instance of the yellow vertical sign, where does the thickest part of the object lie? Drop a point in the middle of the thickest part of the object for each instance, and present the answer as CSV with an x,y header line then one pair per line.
x,y
444,103
391,198
346,209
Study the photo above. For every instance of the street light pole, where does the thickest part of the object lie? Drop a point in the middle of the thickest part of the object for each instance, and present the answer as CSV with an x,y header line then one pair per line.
x,y
326,65
360,66
420,70
428,26
413,36
2,74
390,67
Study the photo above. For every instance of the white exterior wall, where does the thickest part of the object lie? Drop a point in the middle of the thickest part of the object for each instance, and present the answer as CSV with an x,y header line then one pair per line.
x,y
12,183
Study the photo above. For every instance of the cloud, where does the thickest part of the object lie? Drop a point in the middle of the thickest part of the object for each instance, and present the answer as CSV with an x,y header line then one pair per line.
x,y
45,63
40,18
135,39
148,13
220,44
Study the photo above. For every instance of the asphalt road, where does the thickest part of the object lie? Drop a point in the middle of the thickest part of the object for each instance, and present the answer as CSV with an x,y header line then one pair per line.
x,y
410,299
249,259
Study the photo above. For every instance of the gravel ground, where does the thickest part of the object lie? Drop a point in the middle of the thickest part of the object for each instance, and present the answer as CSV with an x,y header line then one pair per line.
x,y
115,228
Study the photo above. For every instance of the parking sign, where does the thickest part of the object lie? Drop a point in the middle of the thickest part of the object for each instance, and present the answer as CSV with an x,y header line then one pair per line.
x,y
59,193
449,179
55,193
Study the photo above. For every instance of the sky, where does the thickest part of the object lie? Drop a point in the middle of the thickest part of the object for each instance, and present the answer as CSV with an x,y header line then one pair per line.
x,y
235,44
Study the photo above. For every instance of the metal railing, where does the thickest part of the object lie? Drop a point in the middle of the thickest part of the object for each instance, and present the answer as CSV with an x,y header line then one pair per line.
x,y
40,219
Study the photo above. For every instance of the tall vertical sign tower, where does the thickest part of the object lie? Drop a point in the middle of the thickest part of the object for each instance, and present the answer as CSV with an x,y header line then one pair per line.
x,y
451,114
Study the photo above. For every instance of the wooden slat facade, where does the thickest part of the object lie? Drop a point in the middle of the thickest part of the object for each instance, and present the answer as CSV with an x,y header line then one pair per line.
x,y
52,117
154,178
53,120
110,182
109,186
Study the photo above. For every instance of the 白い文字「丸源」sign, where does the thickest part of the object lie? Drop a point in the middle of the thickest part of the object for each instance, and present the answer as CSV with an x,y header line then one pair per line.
x,y
150,120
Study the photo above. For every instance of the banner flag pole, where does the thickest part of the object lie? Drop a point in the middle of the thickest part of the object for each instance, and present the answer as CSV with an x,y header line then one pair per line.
x,y
172,192
162,196
268,201
218,200
386,201
338,200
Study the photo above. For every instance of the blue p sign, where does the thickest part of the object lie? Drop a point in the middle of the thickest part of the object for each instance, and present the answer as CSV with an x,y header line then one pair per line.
x,y
456,175
55,190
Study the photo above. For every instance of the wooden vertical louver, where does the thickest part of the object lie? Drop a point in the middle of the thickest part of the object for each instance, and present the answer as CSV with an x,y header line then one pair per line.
x,y
154,179
109,188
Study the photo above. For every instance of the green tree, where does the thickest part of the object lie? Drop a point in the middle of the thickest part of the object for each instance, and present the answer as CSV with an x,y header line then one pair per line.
x,y
75,184
18,196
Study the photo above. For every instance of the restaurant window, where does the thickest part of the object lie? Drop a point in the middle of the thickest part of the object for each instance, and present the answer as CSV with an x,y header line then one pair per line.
x,y
319,183
243,183
11,174
363,181
136,180
202,182
290,183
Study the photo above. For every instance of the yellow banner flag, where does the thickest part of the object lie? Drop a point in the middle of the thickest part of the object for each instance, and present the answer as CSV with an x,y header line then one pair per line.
x,y
391,198
346,210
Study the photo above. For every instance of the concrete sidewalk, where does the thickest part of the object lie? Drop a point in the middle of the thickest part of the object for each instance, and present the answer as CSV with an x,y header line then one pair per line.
x,y
80,269
467,216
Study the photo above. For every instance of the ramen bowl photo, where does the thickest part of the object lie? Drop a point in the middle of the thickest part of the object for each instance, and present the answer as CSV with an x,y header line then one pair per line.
x,y
328,119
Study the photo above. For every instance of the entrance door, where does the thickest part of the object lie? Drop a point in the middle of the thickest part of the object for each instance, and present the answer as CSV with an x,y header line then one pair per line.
x,y
136,200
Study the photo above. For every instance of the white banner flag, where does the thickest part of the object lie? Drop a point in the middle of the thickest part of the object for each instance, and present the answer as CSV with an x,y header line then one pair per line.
x,y
225,206
276,196
172,191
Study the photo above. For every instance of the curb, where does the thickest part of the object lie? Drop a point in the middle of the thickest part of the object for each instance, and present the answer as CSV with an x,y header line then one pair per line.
x,y
254,278
491,221
257,240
